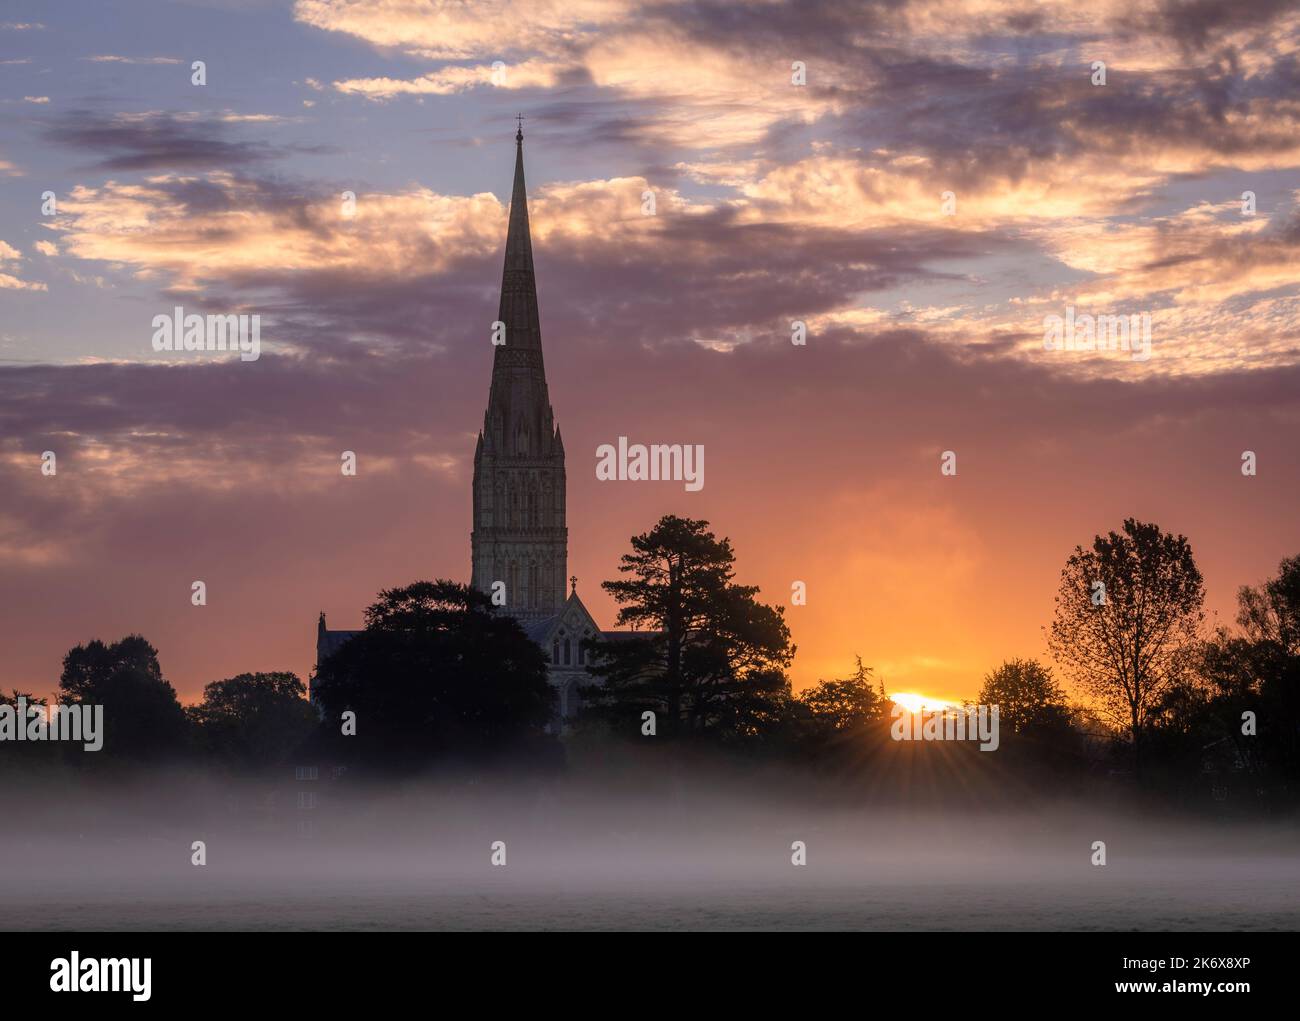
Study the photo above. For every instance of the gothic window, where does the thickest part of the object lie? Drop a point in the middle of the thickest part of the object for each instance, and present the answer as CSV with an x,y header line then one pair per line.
x,y
567,652
555,652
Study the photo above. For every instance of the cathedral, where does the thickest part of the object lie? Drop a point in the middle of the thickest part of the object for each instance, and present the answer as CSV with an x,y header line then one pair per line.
x,y
519,543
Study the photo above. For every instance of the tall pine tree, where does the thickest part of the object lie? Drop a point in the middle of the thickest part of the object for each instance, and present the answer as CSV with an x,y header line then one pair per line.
x,y
707,658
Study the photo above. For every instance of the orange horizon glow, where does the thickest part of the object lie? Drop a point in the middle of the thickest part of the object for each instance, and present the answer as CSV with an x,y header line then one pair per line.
x,y
914,702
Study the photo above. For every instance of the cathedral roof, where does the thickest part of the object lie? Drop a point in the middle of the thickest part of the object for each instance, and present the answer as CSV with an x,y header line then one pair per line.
x,y
329,642
539,630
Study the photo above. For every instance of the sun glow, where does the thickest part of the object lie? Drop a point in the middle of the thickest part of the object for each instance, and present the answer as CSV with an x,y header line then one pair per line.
x,y
914,703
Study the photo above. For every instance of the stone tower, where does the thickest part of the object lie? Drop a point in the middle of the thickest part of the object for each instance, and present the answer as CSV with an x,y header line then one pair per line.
x,y
519,536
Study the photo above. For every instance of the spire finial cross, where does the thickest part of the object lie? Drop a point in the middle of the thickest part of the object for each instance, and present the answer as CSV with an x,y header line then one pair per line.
x,y
519,134
573,581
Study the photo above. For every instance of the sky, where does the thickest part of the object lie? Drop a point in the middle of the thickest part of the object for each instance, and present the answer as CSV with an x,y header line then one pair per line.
x,y
923,184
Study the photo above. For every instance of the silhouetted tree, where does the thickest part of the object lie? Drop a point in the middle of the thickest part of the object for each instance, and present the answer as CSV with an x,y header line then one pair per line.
x,y
437,672
12,699
254,720
1187,755
1127,614
1270,614
1269,617
143,720
843,704
25,754
1026,695
1258,671
1039,739
710,658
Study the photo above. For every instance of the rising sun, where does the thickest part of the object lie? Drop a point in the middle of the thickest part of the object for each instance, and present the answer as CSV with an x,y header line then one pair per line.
x,y
914,703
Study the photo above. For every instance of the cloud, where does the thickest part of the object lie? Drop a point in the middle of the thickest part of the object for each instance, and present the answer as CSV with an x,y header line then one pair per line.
x,y
12,283
153,140
449,80
982,91
8,255
187,230
452,31
700,269
109,58
810,240
824,201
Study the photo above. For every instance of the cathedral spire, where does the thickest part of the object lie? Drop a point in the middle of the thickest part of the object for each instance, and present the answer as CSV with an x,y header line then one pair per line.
x,y
518,281
519,537
519,421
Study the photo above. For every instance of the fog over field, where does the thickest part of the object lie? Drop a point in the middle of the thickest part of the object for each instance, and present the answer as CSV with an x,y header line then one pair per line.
x,y
697,853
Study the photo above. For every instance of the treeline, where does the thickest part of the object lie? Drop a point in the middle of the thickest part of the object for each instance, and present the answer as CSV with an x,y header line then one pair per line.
x,y
439,677
245,723
1162,707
